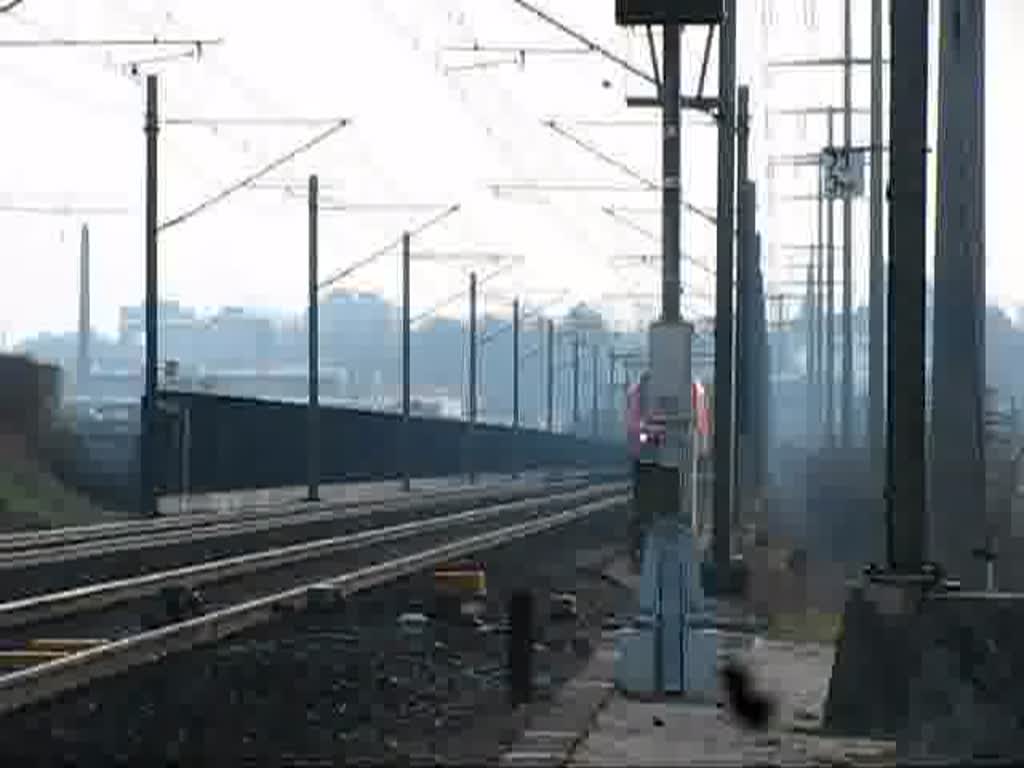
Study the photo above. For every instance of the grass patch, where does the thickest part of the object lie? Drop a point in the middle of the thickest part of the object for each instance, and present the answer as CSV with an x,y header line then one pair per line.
x,y
31,498
811,626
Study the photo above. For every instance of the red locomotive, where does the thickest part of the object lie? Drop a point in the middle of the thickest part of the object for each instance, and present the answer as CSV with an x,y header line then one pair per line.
x,y
644,429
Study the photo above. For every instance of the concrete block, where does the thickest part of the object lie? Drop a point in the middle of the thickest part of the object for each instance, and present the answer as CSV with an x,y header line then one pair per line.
x,y
937,673
702,663
967,701
874,662
634,659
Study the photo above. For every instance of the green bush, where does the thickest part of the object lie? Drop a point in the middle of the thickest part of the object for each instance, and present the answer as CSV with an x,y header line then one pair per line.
x,y
32,498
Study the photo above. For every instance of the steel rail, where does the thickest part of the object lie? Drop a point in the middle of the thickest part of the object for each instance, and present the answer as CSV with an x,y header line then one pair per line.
x,y
28,558
44,681
94,597
22,540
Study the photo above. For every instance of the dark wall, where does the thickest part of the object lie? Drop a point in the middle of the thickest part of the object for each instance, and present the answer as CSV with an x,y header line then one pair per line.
x,y
247,443
29,392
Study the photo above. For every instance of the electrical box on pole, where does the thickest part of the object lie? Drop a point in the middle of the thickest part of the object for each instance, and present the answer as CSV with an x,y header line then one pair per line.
x,y
670,346
661,12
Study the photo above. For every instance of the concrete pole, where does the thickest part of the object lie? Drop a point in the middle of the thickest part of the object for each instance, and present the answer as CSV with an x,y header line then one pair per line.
x,y
148,431
724,270
84,320
876,301
830,308
846,412
595,412
907,220
313,332
958,497
406,359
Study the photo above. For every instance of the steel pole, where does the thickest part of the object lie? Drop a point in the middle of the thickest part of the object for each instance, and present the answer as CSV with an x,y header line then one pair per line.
x,y
551,376
515,363
472,347
743,244
541,370
612,405
313,332
819,310
595,363
846,413
575,381
84,320
909,131
406,360
149,411
809,312
671,150
724,270
830,309
876,301
958,340
470,459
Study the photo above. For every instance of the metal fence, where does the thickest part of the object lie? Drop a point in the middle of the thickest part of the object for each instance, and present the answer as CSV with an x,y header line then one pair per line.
x,y
210,443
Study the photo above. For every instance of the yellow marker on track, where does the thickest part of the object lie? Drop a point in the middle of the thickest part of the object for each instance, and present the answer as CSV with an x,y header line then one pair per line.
x,y
472,580
65,644
22,658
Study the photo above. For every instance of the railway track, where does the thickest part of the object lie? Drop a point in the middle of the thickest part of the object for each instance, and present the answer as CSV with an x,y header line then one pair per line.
x,y
59,560
255,588
13,544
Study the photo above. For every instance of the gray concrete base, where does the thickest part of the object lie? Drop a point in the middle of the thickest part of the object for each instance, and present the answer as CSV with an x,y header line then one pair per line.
x,y
939,673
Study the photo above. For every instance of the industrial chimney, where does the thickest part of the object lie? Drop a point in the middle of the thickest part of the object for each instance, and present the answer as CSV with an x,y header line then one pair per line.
x,y
84,361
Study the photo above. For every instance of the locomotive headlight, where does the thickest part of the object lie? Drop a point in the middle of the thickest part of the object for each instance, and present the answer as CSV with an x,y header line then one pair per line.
x,y
644,437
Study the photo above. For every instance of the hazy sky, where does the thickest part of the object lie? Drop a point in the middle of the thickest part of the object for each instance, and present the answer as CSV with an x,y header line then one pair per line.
x,y
423,132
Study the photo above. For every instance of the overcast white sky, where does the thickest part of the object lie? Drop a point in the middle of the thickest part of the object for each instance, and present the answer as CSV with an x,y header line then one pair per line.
x,y
72,135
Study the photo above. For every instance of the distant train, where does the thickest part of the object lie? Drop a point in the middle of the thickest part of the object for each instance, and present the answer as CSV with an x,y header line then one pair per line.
x,y
644,429
645,432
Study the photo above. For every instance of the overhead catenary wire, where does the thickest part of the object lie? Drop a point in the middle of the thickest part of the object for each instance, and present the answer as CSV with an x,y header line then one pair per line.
x,y
447,301
571,187
247,180
649,183
253,122
591,45
617,216
479,65
540,50
108,42
67,210
526,315
344,272
496,131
